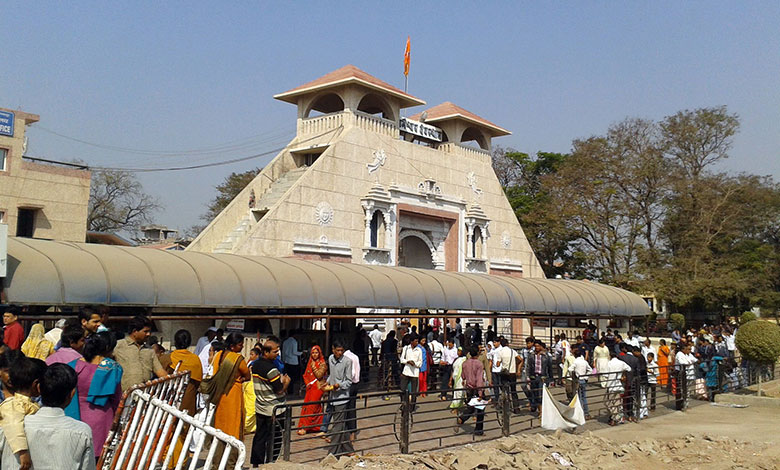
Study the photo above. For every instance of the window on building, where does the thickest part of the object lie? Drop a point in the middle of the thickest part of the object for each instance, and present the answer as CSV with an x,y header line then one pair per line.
x,y
25,223
3,159
476,243
2,217
377,230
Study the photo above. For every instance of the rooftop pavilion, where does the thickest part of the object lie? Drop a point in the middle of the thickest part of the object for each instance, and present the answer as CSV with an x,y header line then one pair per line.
x,y
351,90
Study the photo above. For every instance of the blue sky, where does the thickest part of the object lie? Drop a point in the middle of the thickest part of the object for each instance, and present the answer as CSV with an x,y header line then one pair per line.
x,y
176,76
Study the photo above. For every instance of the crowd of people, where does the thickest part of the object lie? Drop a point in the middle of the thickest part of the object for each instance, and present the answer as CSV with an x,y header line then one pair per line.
x,y
70,378
73,376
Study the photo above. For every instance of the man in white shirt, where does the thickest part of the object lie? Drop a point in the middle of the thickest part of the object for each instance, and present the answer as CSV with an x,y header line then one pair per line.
x,y
57,441
437,351
652,378
494,355
376,343
448,356
562,349
731,345
351,412
508,372
205,340
615,368
290,355
581,370
647,349
632,339
53,335
684,363
411,358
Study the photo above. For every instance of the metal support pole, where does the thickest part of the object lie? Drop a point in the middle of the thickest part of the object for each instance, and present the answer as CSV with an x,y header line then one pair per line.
x,y
269,448
286,434
506,409
406,410
327,333
551,332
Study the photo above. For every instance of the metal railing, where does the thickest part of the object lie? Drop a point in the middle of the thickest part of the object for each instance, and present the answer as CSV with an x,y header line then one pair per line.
x,y
152,440
394,421
168,390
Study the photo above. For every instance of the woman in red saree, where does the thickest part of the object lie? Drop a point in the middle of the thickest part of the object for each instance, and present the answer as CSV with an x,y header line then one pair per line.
x,y
311,413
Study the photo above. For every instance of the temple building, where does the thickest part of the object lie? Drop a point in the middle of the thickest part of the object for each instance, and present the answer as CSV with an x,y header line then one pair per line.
x,y
361,184
358,184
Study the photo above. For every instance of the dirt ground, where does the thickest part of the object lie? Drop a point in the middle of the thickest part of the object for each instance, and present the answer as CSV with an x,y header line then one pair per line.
x,y
704,437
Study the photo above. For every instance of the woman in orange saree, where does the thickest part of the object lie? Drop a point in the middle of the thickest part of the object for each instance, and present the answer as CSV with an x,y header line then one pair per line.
x,y
229,415
663,363
313,377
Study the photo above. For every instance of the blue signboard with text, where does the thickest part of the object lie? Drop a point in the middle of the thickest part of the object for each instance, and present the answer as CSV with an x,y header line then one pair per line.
x,y
6,123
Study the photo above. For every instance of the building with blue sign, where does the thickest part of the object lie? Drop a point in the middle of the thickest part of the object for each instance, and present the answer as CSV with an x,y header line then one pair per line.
x,y
38,200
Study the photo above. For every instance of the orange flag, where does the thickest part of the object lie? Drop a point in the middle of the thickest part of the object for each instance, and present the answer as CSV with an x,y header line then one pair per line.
x,y
407,56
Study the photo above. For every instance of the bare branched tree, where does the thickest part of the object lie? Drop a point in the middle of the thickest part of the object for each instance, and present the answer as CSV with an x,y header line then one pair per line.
x,y
117,201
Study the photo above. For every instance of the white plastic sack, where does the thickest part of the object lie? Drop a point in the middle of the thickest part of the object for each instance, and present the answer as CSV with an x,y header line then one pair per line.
x,y
556,415
199,435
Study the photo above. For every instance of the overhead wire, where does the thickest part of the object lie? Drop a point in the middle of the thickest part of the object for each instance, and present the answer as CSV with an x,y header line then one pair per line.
x,y
237,144
212,164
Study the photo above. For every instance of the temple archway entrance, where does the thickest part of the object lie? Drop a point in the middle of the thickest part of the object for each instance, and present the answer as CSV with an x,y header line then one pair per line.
x,y
414,252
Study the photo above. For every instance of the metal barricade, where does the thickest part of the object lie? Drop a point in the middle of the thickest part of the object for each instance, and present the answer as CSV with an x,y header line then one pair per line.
x,y
169,390
393,421
150,440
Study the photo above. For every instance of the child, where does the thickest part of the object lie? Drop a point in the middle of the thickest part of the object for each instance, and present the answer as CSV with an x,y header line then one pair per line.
x,y
652,378
6,359
56,440
25,375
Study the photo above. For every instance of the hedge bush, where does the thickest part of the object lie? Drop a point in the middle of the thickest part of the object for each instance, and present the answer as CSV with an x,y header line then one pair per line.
x,y
759,341
747,317
678,320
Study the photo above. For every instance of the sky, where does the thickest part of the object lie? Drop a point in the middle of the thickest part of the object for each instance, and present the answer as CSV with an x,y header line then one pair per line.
x,y
182,83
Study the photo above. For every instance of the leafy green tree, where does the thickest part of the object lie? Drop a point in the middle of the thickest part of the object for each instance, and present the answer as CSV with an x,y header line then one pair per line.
x,y
227,191
613,187
548,232
746,317
678,320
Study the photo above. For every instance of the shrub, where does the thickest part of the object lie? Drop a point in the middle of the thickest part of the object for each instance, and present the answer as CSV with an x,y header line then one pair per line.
x,y
746,317
759,341
678,320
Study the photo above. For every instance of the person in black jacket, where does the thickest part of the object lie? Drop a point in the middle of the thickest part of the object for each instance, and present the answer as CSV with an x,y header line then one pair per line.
x,y
641,384
626,355
539,372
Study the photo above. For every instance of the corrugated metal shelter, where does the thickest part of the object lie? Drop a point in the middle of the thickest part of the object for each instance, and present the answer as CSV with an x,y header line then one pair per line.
x,y
71,274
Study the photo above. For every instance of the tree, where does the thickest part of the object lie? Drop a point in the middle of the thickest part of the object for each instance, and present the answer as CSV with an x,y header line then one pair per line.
x,y
613,188
697,139
548,233
117,201
721,250
759,341
227,191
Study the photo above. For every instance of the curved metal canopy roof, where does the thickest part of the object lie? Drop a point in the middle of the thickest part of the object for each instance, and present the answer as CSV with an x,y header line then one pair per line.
x,y
61,273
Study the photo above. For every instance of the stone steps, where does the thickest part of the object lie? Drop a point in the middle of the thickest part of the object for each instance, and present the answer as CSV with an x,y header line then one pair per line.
x,y
269,198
